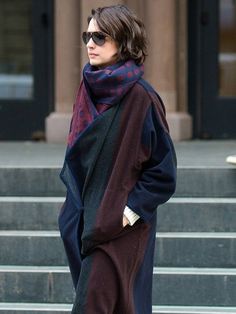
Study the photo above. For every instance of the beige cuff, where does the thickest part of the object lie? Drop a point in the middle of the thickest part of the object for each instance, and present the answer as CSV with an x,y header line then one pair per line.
x,y
130,215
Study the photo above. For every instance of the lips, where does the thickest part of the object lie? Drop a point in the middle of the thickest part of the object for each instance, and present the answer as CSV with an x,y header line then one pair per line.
x,y
91,55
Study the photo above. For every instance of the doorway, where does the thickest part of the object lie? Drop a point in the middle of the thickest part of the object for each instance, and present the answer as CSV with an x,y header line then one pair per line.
x,y
212,68
26,68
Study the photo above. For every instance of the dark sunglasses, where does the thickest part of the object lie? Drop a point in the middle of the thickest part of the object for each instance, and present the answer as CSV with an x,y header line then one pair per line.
x,y
98,38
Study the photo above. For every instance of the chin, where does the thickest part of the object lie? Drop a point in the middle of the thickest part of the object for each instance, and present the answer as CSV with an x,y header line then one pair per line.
x,y
95,63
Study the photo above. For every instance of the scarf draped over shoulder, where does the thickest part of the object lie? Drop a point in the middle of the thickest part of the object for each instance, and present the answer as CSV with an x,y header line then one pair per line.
x,y
99,90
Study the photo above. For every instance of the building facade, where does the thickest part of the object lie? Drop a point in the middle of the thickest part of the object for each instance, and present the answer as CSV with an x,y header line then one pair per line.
x,y
191,63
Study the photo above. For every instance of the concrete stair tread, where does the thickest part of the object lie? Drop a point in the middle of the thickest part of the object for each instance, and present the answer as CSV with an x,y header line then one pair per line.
x,y
193,310
55,308
204,200
190,235
31,199
156,270
41,269
29,233
188,200
194,271
55,233
35,306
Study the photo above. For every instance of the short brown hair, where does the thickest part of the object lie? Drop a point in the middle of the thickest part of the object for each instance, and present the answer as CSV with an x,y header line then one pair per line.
x,y
119,22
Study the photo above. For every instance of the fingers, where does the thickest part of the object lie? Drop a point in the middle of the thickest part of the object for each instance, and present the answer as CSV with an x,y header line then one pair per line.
x,y
125,221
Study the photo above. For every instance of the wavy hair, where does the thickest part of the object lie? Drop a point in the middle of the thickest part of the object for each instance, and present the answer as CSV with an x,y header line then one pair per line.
x,y
119,22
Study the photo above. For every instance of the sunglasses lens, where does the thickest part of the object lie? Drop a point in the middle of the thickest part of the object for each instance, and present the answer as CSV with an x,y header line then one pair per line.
x,y
85,37
98,37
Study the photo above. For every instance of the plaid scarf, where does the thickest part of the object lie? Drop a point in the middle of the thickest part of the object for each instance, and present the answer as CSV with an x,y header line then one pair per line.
x,y
100,89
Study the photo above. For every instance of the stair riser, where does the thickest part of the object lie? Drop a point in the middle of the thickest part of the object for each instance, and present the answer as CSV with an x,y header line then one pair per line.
x,y
171,217
168,289
206,182
196,217
195,252
36,287
46,182
29,215
194,290
35,251
169,252
31,182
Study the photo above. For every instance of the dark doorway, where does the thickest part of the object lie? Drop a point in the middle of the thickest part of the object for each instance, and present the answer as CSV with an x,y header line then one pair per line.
x,y
212,67
26,68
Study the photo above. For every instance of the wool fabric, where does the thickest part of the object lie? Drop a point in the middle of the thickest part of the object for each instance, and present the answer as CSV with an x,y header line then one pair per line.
x,y
119,154
99,90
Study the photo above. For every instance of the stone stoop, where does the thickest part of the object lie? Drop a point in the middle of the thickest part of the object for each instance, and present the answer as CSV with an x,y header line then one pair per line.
x,y
195,258
196,244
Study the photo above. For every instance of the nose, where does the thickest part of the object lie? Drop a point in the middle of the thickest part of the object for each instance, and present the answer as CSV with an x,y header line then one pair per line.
x,y
90,43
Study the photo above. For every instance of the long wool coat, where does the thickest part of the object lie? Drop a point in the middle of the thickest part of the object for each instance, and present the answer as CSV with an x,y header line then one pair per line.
x,y
124,157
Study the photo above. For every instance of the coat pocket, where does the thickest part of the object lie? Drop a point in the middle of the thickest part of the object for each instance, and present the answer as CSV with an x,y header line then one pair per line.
x,y
104,222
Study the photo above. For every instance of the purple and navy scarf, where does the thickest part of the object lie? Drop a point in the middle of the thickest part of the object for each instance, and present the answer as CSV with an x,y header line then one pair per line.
x,y
100,89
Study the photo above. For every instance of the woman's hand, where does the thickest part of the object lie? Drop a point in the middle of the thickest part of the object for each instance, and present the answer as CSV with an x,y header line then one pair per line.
x,y
125,221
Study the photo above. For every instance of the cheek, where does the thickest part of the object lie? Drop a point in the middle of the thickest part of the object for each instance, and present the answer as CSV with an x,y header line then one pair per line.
x,y
115,48
111,49
113,52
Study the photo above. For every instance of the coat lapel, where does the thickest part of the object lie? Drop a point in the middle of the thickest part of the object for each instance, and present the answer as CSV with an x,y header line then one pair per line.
x,y
89,145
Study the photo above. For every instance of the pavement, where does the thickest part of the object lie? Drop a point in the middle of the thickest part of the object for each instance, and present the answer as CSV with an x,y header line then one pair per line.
x,y
195,153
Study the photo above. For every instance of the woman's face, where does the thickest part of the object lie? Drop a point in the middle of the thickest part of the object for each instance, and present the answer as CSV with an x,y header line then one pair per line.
x,y
101,56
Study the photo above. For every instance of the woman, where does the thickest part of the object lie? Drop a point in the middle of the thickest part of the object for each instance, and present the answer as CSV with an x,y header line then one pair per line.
x,y
119,166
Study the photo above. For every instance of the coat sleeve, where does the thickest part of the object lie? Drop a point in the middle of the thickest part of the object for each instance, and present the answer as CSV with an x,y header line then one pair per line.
x,y
157,180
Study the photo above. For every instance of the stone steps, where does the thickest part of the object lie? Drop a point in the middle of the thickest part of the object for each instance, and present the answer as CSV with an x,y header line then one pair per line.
x,y
34,308
193,310
44,181
194,286
48,308
173,249
37,284
189,249
180,214
33,213
31,181
31,248
206,182
195,253
172,286
197,214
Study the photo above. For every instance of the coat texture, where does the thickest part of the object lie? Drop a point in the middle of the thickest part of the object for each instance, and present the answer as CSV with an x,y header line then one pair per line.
x,y
119,153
